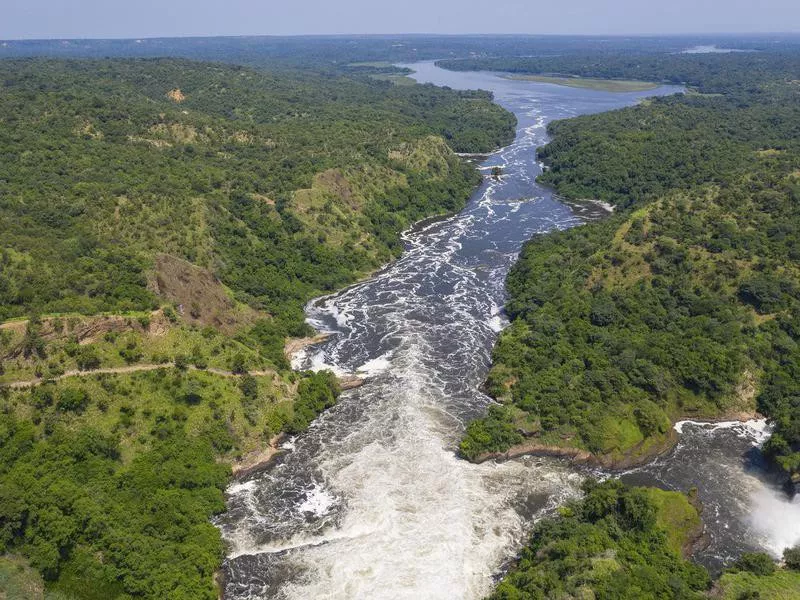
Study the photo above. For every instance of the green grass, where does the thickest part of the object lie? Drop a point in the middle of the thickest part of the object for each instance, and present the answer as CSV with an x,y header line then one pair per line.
x,y
395,79
781,585
375,64
601,85
134,405
18,581
204,346
675,515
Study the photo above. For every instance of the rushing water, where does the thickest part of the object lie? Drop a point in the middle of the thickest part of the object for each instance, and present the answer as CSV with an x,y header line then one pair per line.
x,y
372,502
743,507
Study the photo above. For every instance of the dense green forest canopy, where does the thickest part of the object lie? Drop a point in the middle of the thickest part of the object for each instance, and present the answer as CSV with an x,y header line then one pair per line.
x,y
615,543
101,169
686,301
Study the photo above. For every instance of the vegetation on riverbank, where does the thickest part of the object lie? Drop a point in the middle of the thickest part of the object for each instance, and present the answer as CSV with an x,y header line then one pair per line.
x,y
177,215
621,542
617,542
686,301
745,585
729,73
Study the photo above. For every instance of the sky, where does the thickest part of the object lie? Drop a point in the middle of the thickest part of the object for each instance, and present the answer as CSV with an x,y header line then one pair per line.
x,y
20,19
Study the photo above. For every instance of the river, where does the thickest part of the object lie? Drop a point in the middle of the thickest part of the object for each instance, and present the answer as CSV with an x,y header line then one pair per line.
x,y
372,502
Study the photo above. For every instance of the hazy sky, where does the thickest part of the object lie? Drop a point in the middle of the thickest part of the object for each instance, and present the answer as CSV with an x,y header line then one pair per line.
x,y
151,18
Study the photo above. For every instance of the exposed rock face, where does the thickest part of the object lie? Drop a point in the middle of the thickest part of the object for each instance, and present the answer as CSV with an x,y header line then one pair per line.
x,y
176,95
200,297
635,457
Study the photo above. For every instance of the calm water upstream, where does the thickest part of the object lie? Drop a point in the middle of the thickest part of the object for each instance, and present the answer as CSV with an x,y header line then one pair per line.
x,y
371,502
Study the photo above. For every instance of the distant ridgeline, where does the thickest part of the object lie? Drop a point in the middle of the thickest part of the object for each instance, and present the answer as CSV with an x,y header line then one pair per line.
x,y
686,302
323,53
163,223
332,51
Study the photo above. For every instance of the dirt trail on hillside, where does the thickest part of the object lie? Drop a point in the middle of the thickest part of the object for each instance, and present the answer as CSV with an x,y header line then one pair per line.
x,y
346,383
126,369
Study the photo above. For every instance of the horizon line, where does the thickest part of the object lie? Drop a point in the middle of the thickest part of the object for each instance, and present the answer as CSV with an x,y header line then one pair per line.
x,y
407,34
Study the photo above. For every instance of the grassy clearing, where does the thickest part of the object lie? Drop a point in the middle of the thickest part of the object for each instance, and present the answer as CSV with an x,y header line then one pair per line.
x,y
676,516
781,585
18,580
135,406
395,79
600,85
88,343
373,64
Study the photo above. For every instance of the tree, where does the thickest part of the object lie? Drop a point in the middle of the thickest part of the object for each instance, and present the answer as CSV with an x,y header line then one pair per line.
x,y
757,563
87,358
791,556
249,386
239,364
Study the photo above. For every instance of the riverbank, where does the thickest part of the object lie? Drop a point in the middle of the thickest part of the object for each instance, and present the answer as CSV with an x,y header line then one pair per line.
x,y
258,459
642,454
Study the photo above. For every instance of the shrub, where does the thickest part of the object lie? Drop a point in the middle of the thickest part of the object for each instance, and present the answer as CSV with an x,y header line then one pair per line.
x,y
181,362
73,400
791,556
239,364
757,563
87,358
249,386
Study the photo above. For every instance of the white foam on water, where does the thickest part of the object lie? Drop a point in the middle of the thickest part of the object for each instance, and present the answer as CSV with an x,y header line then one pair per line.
x,y
241,487
318,501
497,322
606,206
413,489
318,361
298,359
375,366
757,430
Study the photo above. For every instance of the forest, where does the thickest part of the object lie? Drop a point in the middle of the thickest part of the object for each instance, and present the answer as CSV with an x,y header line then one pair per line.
x,y
164,221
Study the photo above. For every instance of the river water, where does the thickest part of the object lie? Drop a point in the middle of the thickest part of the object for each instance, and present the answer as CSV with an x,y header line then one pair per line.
x,y
372,502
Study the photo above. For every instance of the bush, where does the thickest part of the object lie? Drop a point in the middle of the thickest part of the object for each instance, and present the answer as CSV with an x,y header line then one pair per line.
x,y
73,400
791,557
131,353
87,358
494,433
248,386
171,315
315,393
239,364
181,362
756,563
